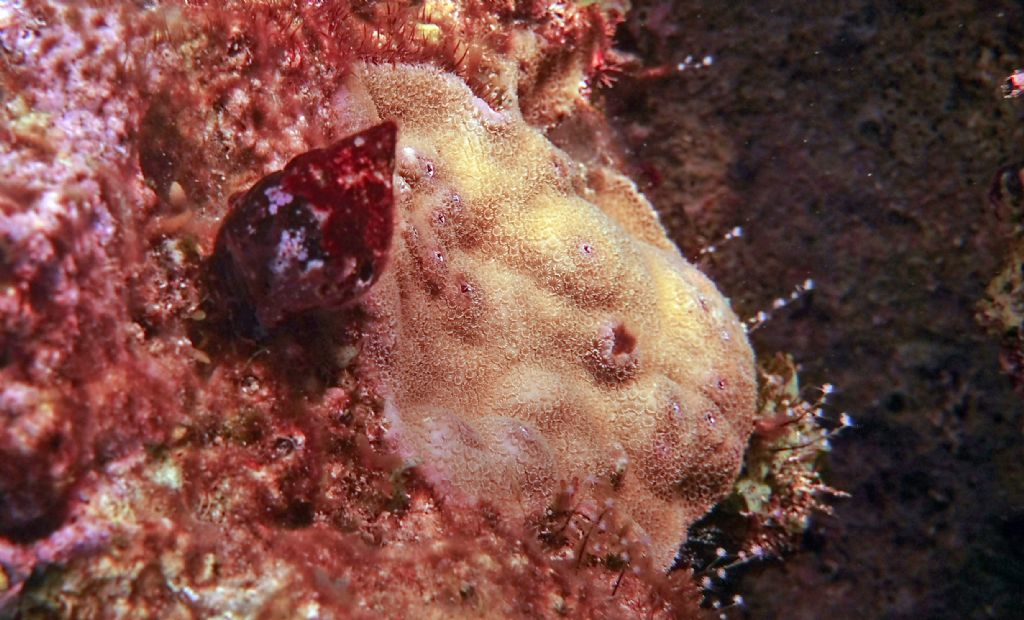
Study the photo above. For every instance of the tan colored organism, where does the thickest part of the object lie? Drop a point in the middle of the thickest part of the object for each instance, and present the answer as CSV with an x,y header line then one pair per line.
x,y
536,327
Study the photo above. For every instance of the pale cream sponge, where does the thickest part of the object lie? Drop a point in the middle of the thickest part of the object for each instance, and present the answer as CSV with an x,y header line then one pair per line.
x,y
535,326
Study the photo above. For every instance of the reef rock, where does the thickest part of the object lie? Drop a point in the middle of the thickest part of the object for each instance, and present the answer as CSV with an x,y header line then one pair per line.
x,y
516,410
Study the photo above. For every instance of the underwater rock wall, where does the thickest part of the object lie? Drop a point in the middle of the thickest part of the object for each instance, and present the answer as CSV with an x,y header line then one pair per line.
x,y
520,418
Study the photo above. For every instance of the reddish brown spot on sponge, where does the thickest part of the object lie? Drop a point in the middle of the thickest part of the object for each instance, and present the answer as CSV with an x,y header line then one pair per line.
x,y
613,357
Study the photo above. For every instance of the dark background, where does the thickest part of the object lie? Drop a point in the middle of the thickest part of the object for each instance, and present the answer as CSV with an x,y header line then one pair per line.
x,y
855,142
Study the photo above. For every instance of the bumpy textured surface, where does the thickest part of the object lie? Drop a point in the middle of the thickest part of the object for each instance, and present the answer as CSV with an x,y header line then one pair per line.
x,y
529,336
536,344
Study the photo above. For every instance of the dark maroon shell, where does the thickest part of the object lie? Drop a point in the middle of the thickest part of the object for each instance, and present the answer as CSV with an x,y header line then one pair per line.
x,y
314,235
